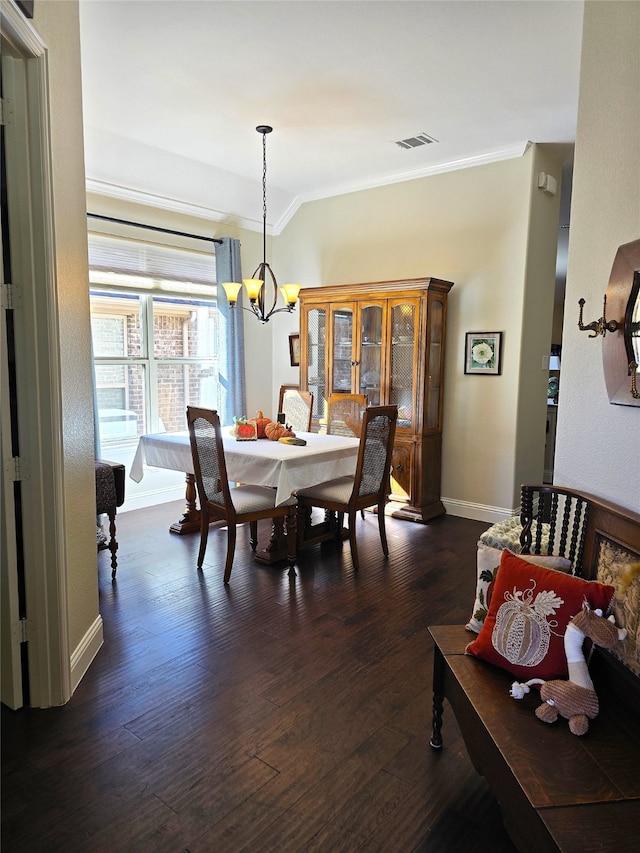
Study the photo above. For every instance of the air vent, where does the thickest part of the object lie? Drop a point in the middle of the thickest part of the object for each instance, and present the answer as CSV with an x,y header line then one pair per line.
x,y
416,141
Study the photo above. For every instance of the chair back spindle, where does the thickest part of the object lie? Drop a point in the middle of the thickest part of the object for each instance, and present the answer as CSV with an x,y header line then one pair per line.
x,y
554,522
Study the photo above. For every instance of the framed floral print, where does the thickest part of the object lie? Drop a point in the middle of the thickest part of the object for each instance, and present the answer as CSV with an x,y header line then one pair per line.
x,y
483,353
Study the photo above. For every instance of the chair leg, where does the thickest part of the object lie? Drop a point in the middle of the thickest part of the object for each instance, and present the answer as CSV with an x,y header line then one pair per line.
x,y
253,535
292,541
204,535
113,544
231,549
352,540
382,528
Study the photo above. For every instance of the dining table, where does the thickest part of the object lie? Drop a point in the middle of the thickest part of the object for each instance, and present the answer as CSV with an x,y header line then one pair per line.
x,y
284,467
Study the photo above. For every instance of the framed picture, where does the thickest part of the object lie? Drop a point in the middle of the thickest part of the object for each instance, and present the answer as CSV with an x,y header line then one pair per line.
x,y
294,350
483,353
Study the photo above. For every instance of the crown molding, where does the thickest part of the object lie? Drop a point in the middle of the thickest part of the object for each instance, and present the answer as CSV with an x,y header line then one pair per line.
x,y
508,153
173,205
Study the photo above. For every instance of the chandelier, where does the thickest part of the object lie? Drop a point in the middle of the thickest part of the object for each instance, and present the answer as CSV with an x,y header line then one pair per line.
x,y
256,285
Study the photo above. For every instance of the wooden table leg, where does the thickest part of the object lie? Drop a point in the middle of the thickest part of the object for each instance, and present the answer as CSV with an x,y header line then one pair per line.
x,y
276,550
190,521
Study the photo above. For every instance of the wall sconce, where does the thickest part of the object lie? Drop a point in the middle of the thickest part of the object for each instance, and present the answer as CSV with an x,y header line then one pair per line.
x,y
598,327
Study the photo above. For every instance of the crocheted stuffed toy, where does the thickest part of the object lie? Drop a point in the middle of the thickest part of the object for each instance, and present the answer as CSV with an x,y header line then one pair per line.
x,y
575,699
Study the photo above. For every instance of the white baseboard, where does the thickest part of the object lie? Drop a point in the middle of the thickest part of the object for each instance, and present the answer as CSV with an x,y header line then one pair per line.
x,y
152,499
478,512
85,652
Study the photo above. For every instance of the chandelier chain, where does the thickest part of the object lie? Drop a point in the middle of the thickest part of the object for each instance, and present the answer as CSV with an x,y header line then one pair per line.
x,y
264,197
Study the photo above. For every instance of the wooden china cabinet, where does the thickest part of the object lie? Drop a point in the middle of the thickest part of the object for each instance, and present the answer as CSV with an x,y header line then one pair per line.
x,y
385,340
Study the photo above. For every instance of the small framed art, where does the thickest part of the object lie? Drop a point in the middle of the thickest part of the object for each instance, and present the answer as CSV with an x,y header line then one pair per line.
x,y
483,353
294,350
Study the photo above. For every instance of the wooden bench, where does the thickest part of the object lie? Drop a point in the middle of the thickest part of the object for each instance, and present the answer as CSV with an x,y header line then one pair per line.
x,y
556,791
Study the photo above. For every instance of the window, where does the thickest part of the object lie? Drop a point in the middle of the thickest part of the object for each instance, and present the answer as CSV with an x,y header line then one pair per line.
x,y
154,325
144,382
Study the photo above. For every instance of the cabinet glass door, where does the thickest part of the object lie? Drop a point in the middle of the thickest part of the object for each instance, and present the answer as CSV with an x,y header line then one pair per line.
x,y
370,367
342,361
316,358
403,346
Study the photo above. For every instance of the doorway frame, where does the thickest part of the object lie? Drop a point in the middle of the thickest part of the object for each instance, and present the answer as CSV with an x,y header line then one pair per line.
x,y
44,627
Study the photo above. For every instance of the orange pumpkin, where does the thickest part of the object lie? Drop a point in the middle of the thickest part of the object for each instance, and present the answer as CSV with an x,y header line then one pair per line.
x,y
261,423
274,430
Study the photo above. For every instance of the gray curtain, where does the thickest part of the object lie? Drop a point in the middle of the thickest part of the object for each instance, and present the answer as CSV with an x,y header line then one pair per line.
x,y
233,395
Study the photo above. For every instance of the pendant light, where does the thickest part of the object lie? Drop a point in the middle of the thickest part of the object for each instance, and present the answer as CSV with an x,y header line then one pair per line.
x,y
256,286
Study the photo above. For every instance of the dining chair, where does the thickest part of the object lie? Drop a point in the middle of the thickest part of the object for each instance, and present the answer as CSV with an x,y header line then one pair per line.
x,y
297,407
220,502
369,486
344,414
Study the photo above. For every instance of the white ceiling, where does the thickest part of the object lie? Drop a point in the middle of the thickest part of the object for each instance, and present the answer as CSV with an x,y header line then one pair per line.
x,y
173,91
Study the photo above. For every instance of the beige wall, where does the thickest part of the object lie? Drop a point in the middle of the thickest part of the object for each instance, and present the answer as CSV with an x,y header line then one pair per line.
x,y
598,445
493,233
58,25
537,326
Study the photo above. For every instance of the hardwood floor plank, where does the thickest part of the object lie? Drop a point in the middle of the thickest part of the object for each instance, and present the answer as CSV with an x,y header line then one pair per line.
x,y
319,818
105,826
362,816
204,803
276,713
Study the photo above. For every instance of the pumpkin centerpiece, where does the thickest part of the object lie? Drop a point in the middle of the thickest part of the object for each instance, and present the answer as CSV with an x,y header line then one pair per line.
x,y
275,430
261,423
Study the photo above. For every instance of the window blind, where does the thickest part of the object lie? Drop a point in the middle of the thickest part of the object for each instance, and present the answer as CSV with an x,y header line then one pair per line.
x,y
135,263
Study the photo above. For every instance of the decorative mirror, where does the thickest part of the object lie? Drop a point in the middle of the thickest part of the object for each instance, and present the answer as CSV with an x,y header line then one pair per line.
x,y
621,348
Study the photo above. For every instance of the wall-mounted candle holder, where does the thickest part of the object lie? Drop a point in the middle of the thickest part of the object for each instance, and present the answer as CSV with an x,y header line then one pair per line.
x,y
598,327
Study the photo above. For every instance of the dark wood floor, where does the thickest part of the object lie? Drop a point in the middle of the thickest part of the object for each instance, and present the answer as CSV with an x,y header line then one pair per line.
x,y
274,714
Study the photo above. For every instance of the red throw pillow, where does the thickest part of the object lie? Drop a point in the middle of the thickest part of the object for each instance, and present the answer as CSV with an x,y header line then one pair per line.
x,y
529,612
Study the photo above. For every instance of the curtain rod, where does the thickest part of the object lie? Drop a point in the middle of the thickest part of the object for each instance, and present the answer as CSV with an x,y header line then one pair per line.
x,y
153,228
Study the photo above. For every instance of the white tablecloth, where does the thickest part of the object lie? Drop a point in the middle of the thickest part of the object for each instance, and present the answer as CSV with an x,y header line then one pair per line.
x,y
287,467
